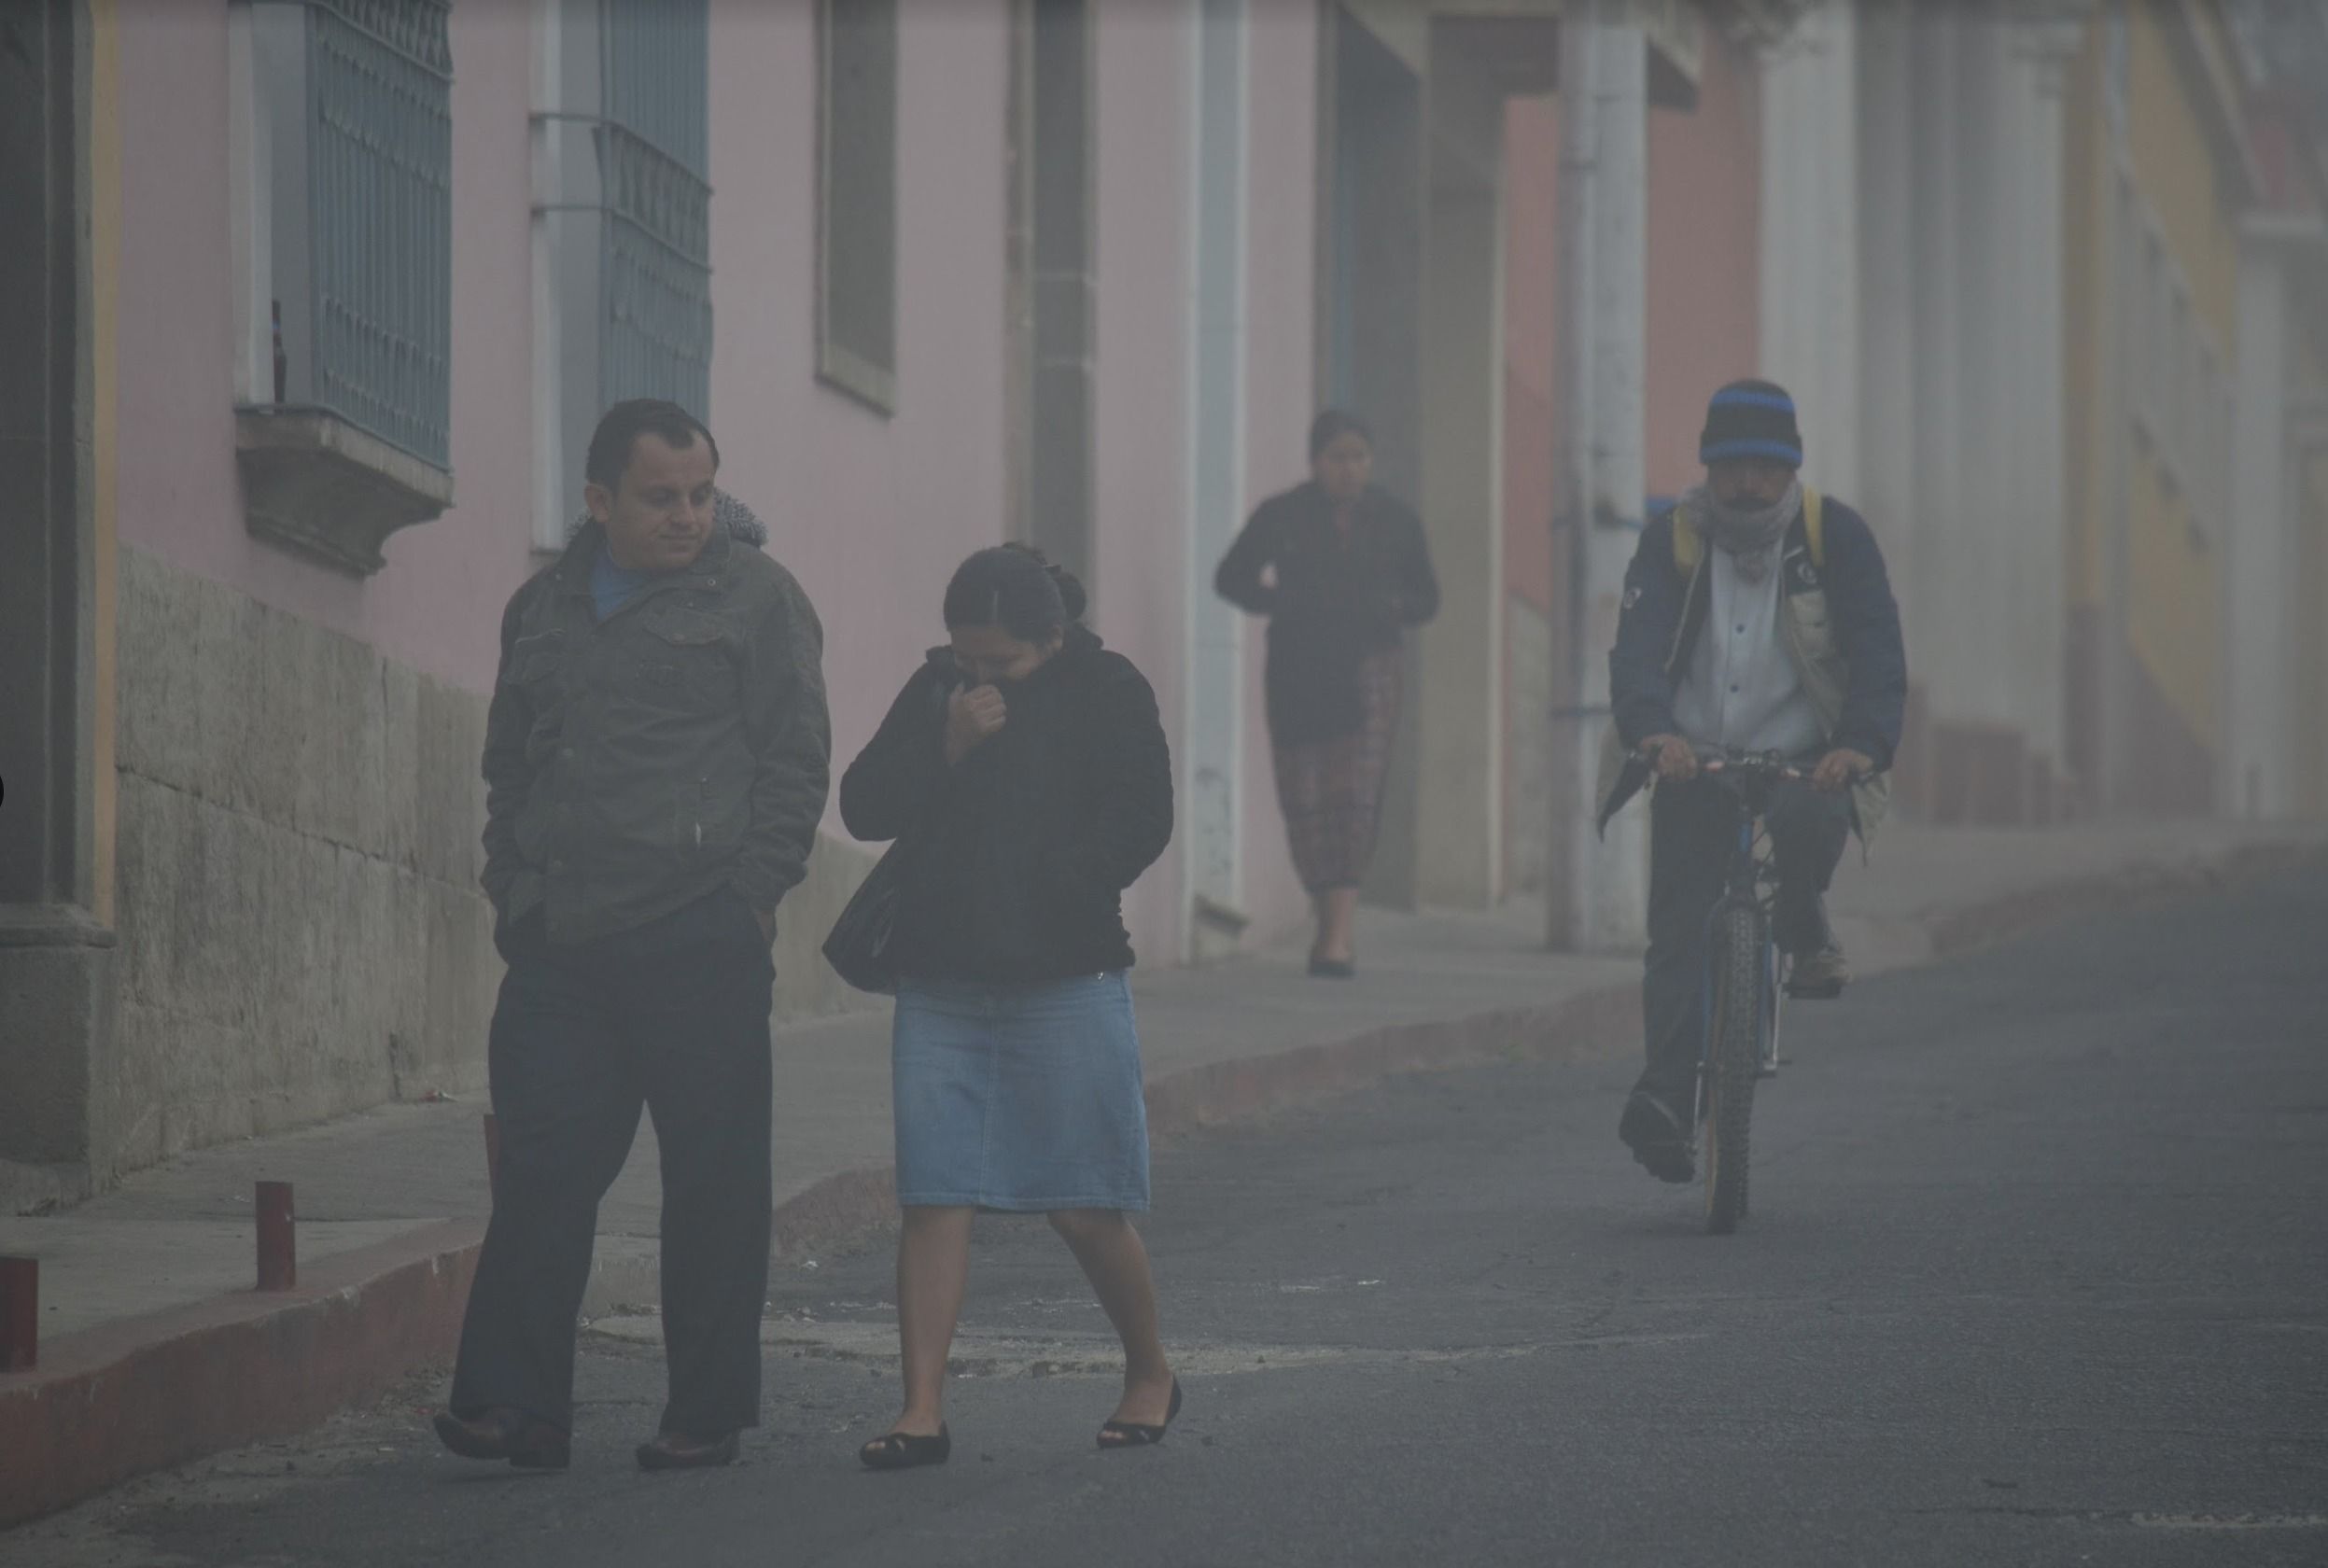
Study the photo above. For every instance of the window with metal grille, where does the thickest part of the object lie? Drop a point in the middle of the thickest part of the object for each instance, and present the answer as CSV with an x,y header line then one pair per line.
x,y
654,287
340,198
357,131
623,241
856,198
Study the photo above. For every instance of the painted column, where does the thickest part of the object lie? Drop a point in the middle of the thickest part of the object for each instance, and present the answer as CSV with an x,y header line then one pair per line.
x,y
1599,895
1942,580
56,602
1989,533
1887,490
1810,251
1459,695
2048,53
1212,839
2264,535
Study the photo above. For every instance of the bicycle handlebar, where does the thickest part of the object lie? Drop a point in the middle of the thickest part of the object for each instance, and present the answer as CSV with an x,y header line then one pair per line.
x,y
1754,764
1767,764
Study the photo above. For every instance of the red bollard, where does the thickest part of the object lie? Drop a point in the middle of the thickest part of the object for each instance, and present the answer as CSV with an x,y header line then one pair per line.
x,y
278,1247
20,1313
493,1154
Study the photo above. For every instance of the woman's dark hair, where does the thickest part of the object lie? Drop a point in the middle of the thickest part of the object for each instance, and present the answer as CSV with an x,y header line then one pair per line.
x,y
618,432
1012,587
1332,425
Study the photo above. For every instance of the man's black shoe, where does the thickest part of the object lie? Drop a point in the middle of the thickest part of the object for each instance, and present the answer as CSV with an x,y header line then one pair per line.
x,y
1657,1138
503,1434
675,1450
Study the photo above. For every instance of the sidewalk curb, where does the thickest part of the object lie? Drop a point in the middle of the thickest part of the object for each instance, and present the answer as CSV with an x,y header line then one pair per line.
x,y
1956,933
149,1392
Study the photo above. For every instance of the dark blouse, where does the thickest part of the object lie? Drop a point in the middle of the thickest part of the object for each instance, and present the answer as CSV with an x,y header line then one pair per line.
x,y
1338,598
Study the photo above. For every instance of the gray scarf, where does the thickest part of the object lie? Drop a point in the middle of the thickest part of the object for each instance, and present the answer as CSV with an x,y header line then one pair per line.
x,y
730,514
1750,536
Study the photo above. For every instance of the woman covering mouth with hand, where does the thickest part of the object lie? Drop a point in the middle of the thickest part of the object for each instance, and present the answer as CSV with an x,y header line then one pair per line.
x,y
1025,772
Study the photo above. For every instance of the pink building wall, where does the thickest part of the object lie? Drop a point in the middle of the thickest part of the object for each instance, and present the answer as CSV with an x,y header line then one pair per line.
x,y
437,605
1705,283
1703,291
872,511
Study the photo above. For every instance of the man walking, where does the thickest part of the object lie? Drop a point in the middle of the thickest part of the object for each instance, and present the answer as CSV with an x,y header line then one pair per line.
x,y
1757,617
655,765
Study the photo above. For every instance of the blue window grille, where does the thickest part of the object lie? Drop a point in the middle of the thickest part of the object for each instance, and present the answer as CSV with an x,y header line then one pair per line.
x,y
380,216
654,273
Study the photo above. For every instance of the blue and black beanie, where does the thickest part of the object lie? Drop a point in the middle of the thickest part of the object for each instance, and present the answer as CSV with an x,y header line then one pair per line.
x,y
1751,419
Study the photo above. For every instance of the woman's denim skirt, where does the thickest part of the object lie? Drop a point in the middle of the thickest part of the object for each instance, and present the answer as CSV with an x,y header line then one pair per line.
x,y
1021,1098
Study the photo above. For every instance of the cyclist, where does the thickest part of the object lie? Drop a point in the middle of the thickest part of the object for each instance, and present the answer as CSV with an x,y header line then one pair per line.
x,y
1756,616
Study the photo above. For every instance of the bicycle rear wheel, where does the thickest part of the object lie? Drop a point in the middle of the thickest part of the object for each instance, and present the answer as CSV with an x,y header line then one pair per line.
x,y
1733,1063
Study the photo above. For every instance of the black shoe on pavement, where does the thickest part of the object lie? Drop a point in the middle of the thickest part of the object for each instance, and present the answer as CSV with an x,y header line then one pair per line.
x,y
1133,1435
675,1450
902,1450
1659,1139
501,1432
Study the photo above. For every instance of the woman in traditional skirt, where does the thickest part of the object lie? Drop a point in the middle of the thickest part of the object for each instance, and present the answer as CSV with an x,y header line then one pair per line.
x,y
1341,567
1025,768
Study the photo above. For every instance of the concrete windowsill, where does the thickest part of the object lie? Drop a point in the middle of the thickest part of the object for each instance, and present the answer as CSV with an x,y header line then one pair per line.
x,y
51,925
314,483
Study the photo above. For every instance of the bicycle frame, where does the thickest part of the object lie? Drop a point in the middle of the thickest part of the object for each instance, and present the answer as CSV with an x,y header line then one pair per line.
x,y
1751,883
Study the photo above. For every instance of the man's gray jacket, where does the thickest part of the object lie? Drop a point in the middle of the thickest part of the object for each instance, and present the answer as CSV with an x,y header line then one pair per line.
x,y
635,765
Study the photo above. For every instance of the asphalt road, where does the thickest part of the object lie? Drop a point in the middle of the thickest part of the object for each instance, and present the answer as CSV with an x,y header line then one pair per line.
x,y
2037,1273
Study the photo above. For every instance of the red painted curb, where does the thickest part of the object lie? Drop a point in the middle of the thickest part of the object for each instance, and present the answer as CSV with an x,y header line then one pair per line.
x,y
148,1392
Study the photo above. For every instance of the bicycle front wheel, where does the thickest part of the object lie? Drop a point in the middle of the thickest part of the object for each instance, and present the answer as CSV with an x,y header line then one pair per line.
x,y
1733,1063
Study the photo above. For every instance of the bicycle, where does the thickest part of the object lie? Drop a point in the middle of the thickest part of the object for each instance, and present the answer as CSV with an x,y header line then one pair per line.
x,y
1746,983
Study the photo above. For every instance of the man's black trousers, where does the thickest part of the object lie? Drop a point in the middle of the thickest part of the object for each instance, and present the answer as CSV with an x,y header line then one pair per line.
x,y
673,1017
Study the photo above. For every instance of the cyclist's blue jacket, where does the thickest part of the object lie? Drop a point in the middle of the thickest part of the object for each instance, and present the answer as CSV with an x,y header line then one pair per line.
x,y
1837,618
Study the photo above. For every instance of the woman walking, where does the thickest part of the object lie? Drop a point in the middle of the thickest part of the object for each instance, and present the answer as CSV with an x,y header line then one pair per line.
x,y
1341,569
1025,768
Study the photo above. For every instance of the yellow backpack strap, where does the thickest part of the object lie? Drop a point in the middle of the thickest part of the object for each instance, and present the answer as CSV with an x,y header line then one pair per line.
x,y
1687,546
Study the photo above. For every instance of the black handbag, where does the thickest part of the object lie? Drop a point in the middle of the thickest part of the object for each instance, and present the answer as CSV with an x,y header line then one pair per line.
x,y
862,947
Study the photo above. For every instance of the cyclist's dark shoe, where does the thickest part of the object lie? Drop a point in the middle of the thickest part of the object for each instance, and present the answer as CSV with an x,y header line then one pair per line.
x,y
1819,977
1659,1138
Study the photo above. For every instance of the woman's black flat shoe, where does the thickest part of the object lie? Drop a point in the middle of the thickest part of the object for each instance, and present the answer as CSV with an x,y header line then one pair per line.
x,y
1131,1435
1333,969
901,1450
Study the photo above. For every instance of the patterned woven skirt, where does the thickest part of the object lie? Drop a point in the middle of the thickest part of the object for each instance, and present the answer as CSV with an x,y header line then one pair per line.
x,y
1332,791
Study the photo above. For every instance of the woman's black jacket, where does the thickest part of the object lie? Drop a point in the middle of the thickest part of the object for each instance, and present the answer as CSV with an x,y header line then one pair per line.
x,y
1015,859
